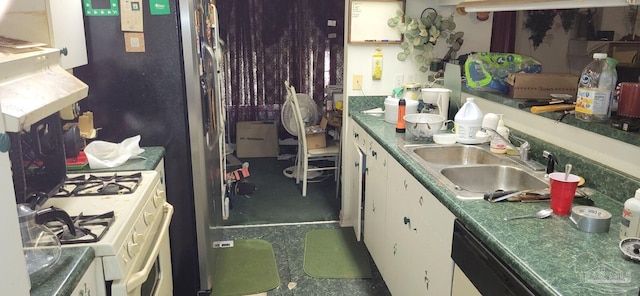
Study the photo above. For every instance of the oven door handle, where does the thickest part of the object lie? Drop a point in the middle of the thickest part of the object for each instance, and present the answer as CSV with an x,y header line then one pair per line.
x,y
140,277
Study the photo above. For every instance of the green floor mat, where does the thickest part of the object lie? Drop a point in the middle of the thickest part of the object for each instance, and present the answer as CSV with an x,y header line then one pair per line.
x,y
335,253
249,267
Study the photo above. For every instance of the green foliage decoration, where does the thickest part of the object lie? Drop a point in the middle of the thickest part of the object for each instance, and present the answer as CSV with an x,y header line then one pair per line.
x,y
420,35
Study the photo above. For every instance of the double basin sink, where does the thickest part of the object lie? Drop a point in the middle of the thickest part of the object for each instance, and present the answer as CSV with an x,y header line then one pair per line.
x,y
470,172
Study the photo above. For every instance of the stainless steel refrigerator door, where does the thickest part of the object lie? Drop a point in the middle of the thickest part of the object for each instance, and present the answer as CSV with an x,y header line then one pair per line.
x,y
204,140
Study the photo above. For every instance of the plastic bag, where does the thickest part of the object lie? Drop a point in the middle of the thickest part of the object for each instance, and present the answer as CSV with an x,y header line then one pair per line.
x,y
103,154
489,70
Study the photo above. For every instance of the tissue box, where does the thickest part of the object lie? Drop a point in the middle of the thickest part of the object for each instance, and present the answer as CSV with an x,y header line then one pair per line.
x,y
317,135
541,86
256,139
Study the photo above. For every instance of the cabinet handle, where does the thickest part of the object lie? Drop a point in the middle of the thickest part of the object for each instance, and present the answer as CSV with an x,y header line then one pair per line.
x,y
405,185
426,279
374,154
384,163
356,135
407,221
395,248
64,51
420,200
366,171
356,164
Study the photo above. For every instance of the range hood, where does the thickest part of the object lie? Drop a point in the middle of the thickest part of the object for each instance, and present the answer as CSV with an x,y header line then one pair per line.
x,y
512,5
34,86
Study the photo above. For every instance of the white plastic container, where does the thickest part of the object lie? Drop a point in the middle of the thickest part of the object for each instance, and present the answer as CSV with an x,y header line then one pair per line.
x,y
595,90
391,109
630,224
502,129
468,120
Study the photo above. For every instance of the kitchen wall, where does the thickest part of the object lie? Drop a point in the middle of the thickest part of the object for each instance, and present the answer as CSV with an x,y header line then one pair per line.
x,y
358,57
553,55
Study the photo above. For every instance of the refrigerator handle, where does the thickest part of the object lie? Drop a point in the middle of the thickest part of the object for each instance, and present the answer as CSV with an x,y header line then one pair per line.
x,y
209,93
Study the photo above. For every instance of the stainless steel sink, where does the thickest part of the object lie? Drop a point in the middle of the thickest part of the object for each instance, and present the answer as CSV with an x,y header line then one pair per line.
x,y
458,155
491,178
471,171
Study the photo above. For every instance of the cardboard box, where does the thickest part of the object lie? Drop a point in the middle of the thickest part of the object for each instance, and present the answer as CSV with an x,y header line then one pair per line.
x,y
256,139
541,86
317,135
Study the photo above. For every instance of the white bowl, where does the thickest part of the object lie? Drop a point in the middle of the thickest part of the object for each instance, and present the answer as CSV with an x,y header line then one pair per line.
x,y
423,125
445,138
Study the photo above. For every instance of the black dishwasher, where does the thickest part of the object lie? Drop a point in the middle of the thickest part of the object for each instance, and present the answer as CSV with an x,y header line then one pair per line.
x,y
483,268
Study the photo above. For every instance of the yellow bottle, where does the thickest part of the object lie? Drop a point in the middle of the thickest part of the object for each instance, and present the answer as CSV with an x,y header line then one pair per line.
x,y
376,71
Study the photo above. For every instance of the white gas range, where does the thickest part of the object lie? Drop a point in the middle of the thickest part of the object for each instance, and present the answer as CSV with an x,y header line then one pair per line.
x,y
132,226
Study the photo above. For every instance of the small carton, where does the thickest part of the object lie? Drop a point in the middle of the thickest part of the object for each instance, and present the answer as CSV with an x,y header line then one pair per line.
x,y
541,86
317,135
256,139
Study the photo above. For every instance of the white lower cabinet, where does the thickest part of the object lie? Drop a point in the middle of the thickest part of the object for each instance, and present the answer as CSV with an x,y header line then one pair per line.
x,y
462,286
407,231
419,230
375,202
91,282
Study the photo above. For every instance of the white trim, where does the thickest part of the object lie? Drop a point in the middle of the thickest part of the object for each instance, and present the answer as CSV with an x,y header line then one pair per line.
x,y
277,224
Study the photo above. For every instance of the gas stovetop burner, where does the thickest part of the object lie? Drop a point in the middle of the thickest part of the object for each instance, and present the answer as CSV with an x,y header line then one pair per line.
x,y
89,228
100,185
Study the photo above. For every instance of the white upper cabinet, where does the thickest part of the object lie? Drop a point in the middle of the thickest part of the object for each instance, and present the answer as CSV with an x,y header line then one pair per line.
x,y
57,23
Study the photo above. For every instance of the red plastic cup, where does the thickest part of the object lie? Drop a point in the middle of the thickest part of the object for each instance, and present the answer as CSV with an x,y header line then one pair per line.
x,y
562,192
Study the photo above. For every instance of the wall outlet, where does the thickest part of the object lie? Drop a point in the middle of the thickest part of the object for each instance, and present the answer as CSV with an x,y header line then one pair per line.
x,y
398,79
357,82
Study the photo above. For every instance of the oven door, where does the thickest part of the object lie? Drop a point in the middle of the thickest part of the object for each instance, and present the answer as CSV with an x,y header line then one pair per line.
x,y
153,276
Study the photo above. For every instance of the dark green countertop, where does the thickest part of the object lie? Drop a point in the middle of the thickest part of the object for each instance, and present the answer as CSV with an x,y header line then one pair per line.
x,y
551,255
62,277
147,161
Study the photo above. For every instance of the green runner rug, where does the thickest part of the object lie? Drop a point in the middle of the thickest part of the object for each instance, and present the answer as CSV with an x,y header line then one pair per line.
x,y
335,253
249,267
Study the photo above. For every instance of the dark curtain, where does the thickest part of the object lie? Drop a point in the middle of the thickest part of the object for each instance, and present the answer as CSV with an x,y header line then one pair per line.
x,y
503,31
268,42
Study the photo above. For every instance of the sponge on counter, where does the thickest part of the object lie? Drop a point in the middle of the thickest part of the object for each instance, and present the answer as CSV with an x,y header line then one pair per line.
x,y
512,152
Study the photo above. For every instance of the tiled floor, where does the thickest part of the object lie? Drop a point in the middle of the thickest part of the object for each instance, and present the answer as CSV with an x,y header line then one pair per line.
x,y
288,245
277,202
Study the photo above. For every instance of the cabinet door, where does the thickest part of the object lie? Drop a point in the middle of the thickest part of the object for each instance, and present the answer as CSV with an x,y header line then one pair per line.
x,y
92,282
67,32
462,286
352,167
396,248
57,23
419,232
431,239
357,190
374,202
359,136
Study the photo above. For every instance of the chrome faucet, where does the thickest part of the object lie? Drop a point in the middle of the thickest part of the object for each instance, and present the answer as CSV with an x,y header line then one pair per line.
x,y
523,149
